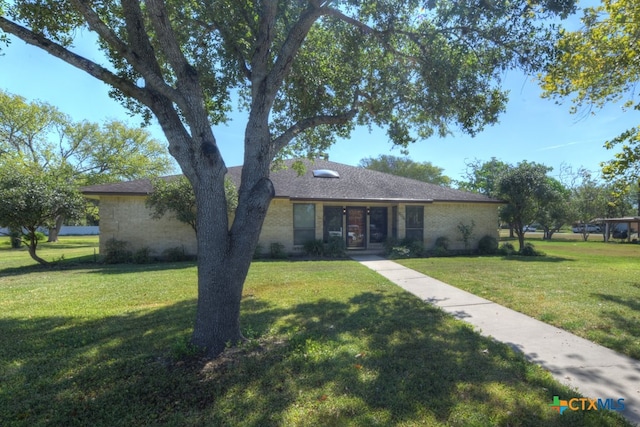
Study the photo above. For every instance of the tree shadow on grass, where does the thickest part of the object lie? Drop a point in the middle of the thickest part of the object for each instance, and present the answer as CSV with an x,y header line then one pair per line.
x,y
542,259
382,358
623,333
86,262
75,371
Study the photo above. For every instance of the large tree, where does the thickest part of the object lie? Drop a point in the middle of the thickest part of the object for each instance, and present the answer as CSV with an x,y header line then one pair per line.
x,y
591,198
306,71
404,166
91,153
554,210
526,188
483,177
598,64
87,153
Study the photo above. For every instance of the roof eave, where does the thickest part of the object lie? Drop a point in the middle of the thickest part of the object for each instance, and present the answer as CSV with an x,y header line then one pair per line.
x,y
92,194
356,200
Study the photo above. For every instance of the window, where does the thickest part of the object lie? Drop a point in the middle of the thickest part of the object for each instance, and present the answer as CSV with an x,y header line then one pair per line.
x,y
304,223
415,223
377,225
332,223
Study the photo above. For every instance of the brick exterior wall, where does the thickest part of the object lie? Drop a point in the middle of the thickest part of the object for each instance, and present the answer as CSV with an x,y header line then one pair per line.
x,y
442,219
128,219
278,226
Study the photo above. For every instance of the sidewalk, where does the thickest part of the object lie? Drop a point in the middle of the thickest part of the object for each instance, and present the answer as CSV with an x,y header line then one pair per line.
x,y
594,371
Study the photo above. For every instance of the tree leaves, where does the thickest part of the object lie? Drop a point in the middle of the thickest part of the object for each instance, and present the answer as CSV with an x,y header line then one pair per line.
x,y
175,195
404,166
88,153
32,198
597,65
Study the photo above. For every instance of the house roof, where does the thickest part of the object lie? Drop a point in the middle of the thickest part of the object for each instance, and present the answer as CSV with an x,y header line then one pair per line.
x,y
353,184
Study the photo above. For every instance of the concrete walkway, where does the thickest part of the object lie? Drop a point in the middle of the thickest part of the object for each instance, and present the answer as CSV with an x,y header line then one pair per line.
x,y
594,371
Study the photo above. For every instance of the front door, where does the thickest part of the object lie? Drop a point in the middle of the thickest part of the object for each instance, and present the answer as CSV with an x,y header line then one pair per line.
x,y
356,227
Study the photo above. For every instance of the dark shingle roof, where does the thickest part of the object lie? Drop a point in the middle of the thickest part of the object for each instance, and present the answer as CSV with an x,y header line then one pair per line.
x,y
138,187
354,184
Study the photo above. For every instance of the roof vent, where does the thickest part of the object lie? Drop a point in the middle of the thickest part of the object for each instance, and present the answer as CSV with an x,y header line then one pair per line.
x,y
325,173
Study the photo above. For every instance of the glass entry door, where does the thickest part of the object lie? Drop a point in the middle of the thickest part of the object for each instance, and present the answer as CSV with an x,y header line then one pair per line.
x,y
356,227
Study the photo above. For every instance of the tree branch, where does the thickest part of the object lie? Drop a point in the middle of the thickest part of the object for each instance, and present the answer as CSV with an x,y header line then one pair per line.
x,y
187,77
290,48
309,123
57,50
151,74
229,42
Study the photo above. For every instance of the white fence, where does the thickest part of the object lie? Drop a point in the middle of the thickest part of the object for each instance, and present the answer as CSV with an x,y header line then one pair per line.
x,y
68,230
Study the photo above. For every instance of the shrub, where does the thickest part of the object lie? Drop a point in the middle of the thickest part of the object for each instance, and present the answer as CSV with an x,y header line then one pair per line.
x,y
416,248
313,247
276,250
442,242
399,252
529,250
466,233
257,253
176,254
487,245
335,248
408,248
389,244
506,249
441,248
117,252
142,256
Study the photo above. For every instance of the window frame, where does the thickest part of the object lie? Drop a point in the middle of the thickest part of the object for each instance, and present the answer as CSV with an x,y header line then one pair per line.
x,y
414,230
303,232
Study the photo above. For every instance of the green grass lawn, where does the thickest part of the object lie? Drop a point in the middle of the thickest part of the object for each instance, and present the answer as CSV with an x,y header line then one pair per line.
x,y
334,344
591,289
74,248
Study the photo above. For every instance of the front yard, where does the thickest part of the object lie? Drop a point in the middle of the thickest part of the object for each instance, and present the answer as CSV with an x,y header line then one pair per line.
x,y
333,344
591,289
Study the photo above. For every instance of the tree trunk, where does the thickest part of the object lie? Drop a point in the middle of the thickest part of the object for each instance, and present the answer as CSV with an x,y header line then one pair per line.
x,y
520,241
16,238
224,256
55,231
518,229
220,283
32,246
224,253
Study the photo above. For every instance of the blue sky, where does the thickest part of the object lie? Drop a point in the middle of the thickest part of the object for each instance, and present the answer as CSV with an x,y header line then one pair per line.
x,y
532,128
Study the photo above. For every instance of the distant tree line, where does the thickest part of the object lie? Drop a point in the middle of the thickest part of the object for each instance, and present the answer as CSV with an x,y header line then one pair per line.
x,y
531,195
